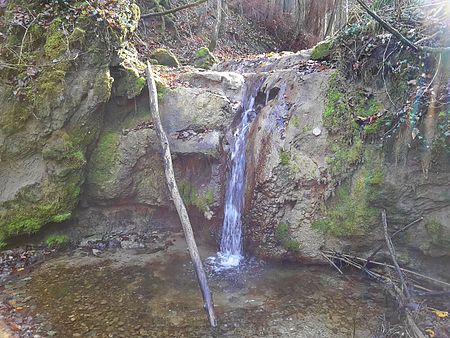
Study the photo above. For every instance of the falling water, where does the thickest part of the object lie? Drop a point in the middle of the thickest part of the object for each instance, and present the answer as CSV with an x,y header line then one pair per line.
x,y
230,253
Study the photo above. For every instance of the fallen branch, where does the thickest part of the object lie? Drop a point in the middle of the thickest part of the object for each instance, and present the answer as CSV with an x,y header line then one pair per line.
x,y
332,263
340,256
177,200
173,10
393,255
399,35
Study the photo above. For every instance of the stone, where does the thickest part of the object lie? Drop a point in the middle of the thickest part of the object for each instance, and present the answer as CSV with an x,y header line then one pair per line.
x,y
165,57
204,58
322,50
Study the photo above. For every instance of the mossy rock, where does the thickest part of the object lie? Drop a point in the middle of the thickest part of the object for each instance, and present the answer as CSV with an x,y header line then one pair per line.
x,y
204,58
322,50
103,165
165,57
51,201
129,83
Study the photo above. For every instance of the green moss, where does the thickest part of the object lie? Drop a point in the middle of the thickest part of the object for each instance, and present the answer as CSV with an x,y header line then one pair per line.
x,y
283,237
322,50
15,113
204,58
103,85
35,206
350,212
192,197
62,147
344,156
295,121
61,217
104,159
130,83
285,158
57,240
202,52
291,245
282,232
435,230
56,42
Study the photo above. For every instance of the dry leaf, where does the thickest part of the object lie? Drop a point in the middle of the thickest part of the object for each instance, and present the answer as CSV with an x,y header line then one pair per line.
x,y
441,314
430,333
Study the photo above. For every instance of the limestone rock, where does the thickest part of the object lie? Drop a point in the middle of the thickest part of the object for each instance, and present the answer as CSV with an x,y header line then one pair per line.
x,y
165,57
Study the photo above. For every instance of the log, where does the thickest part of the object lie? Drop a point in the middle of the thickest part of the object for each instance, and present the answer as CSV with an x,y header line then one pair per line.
x,y
177,200
173,10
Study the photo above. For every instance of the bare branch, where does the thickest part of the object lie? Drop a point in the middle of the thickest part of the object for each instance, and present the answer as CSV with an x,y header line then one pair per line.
x,y
399,35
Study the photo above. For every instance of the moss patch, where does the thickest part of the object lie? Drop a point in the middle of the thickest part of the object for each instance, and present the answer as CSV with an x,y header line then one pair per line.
x,y
282,235
193,197
103,164
435,230
51,201
322,50
285,158
57,240
204,58
350,212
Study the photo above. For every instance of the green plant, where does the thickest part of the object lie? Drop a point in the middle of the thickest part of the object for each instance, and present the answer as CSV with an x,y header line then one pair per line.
x,y
434,230
284,157
291,245
57,240
282,236
295,121
282,232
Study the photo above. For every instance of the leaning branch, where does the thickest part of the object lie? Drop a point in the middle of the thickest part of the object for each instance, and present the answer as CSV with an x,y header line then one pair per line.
x,y
173,10
399,35
177,200
393,255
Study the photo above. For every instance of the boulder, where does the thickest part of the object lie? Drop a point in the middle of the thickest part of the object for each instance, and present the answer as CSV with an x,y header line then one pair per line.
x,y
204,58
165,57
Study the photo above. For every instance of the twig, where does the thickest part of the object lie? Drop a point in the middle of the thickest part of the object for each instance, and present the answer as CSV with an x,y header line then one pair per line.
x,y
332,263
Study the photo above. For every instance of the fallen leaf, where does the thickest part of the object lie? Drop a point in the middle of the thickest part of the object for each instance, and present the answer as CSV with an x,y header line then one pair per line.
x,y
441,314
19,308
430,333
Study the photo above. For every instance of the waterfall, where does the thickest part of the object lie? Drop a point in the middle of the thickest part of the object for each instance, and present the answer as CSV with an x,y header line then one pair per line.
x,y
230,253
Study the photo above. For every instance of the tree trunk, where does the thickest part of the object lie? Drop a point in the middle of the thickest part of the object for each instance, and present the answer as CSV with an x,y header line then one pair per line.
x,y
215,36
177,200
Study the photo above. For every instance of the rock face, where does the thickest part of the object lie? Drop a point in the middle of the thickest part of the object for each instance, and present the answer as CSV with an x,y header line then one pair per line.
x,y
126,170
52,114
296,173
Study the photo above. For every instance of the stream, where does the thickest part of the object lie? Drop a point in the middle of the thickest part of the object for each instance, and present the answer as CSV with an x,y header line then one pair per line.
x,y
142,293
